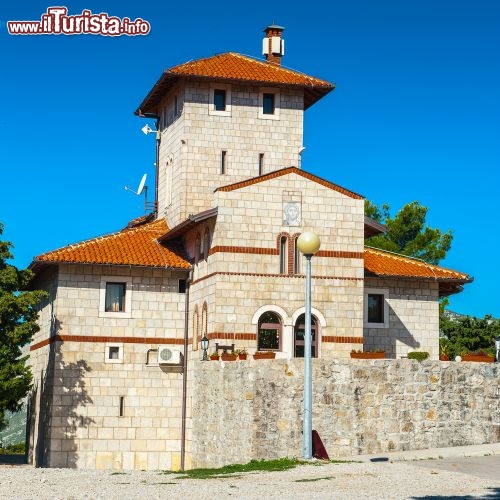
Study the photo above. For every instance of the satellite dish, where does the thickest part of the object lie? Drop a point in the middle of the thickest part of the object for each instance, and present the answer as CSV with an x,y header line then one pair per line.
x,y
141,184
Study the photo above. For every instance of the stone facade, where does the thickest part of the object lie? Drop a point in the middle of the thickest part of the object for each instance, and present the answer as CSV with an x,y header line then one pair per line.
x,y
253,409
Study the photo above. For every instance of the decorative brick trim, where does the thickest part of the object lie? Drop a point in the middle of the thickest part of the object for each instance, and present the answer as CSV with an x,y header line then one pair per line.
x,y
264,275
342,340
340,254
286,171
275,251
252,250
231,336
104,339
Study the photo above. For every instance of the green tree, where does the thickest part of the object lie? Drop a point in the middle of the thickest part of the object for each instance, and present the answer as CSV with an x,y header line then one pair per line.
x,y
18,317
468,334
408,234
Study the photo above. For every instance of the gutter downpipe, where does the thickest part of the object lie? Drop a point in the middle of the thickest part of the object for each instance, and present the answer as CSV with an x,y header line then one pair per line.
x,y
184,370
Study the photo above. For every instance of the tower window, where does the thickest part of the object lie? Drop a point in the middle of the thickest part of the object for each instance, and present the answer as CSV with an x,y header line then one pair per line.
x,y
223,157
219,100
268,104
261,163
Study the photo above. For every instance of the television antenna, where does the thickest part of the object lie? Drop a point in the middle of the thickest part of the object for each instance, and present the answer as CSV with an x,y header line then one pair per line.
x,y
142,188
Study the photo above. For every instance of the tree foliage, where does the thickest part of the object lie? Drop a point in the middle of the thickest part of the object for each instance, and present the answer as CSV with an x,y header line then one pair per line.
x,y
18,317
407,232
468,334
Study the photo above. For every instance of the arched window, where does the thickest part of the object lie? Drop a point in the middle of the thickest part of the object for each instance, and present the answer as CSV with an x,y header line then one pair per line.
x,y
296,256
196,330
284,255
269,332
299,331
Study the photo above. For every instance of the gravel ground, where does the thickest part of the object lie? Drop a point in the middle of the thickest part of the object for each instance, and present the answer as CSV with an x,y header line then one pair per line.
x,y
374,480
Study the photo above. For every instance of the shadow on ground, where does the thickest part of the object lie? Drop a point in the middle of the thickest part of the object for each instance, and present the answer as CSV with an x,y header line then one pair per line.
x,y
493,494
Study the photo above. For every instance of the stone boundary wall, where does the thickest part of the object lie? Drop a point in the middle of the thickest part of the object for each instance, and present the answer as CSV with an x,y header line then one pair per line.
x,y
253,409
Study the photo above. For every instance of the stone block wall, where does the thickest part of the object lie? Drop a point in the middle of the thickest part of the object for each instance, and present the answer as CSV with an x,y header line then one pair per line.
x,y
91,410
253,409
194,140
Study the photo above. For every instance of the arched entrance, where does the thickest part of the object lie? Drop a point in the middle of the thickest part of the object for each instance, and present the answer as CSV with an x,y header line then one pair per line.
x,y
299,330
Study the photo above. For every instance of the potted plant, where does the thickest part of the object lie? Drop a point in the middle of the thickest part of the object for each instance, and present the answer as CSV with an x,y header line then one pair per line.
x,y
264,355
376,354
241,353
478,356
214,356
443,350
228,356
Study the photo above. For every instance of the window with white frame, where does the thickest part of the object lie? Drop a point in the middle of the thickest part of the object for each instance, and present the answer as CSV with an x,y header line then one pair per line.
x,y
269,103
220,100
115,298
113,353
376,308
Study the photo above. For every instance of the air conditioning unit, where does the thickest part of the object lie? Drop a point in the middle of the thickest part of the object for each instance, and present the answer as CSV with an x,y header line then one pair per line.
x,y
169,356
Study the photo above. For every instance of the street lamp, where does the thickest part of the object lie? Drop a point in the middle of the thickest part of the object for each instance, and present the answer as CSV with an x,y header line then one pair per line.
x,y
204,346
497,347
308,244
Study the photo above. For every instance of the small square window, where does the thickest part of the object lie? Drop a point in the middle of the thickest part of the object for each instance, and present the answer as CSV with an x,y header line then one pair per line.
x,y
115,297
268,104
113,352
219,100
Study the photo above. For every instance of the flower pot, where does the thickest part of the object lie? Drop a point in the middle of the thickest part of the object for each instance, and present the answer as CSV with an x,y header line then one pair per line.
x,y
264,355
368,355
242,356
214,358
478,358
444,357
228,357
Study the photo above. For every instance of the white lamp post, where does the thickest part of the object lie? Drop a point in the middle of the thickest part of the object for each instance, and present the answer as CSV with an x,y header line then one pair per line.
x,y
308,243
497,347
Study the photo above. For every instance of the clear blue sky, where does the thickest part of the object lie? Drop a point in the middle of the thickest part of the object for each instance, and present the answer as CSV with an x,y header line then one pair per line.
x,y
415,115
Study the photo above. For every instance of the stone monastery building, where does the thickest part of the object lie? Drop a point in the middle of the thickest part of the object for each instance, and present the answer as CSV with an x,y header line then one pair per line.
x,y
121,327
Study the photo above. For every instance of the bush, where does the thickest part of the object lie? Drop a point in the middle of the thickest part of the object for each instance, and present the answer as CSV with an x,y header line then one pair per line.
x,y
418,355
13,449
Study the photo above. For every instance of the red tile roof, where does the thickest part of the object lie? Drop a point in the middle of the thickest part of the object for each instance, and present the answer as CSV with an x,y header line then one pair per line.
x,y
286,171
233,67
136,246
390,265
